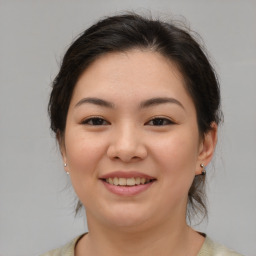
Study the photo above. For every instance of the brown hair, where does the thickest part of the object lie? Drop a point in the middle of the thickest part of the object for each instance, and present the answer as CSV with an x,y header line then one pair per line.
x,y
124,32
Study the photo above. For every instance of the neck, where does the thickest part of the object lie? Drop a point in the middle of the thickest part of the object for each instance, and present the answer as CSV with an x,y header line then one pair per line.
x,y
172,238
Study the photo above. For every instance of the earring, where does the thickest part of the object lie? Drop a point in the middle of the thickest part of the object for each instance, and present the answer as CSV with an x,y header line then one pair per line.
x,y
203,171
65,165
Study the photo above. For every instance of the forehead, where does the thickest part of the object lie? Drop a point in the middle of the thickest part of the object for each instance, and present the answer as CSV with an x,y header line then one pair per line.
x,y
135,73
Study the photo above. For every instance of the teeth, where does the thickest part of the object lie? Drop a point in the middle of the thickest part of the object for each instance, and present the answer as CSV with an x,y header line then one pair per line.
x,y
116,181
137,181
127,182
122,181
130,182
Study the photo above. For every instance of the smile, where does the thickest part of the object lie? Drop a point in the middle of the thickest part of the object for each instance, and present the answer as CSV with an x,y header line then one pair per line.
x,y
127,181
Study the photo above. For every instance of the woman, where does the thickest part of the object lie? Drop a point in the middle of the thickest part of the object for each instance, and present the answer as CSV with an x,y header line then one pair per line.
x,y
135,109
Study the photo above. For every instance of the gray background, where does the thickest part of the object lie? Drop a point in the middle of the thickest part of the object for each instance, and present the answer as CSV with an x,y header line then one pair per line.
x,y
36,202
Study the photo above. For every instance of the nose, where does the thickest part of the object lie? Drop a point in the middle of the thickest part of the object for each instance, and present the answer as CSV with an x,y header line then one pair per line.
x,y
127,145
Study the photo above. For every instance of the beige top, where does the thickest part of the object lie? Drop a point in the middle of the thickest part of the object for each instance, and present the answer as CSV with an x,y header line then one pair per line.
x,y
209,248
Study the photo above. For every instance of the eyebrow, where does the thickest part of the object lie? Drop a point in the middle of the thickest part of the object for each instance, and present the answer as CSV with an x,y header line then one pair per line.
x,y
95,101
145,104
159,100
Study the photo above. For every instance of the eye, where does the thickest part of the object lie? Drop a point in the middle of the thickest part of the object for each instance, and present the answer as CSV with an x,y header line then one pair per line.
x,y
160,121
96,121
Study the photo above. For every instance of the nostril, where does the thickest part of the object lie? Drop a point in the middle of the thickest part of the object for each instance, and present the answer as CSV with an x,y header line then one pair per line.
x,y
126,152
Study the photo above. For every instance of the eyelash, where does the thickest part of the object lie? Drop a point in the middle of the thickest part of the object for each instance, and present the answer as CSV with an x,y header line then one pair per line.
x,y
99,121
163,121
95,121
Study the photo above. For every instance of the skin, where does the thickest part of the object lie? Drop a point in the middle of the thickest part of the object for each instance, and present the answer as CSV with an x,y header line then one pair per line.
x,y
160,139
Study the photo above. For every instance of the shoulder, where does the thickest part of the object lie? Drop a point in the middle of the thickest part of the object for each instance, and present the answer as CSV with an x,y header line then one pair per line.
x,y
66,250
211,248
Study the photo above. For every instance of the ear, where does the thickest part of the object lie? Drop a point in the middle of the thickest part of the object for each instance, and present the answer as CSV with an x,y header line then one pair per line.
x,y
62,148
207,147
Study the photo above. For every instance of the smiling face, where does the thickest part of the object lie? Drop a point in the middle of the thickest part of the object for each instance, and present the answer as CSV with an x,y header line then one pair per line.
x,y
131,142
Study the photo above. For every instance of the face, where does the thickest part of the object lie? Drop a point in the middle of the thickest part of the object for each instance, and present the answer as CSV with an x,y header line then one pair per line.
x,y
131,141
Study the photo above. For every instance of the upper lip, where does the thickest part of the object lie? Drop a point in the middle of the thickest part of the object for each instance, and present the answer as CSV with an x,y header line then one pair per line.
x,y
126,174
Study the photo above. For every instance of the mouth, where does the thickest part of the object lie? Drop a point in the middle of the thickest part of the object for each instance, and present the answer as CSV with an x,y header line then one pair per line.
x,y
127,183
133,181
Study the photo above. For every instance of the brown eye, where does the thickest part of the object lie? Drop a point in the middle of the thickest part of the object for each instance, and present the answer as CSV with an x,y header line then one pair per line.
x,y
95,121
159,121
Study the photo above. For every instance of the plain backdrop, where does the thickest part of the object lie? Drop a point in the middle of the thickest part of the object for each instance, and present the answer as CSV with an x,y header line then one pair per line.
x,y
36,201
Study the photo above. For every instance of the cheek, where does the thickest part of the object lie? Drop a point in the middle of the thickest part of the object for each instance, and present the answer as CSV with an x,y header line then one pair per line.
x,y
177,156
178,149
83,153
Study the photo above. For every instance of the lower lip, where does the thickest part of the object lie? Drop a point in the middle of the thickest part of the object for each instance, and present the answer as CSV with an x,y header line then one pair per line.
x,y
127,190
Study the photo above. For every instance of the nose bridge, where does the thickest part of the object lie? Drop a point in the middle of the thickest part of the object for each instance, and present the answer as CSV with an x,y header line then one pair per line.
x,y
126,138
127,143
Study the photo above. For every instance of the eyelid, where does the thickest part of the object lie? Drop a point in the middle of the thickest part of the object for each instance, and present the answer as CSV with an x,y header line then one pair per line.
x,y
91,118
168,119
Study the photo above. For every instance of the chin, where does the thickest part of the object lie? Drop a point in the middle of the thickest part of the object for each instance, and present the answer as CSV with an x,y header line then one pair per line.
x,y
131,225
126,218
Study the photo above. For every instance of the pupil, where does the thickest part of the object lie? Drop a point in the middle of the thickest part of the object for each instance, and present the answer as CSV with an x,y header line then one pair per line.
x,y
158,121
98,121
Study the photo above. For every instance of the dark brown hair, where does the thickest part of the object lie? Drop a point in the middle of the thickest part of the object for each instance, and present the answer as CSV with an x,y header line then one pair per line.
x,y
122,33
